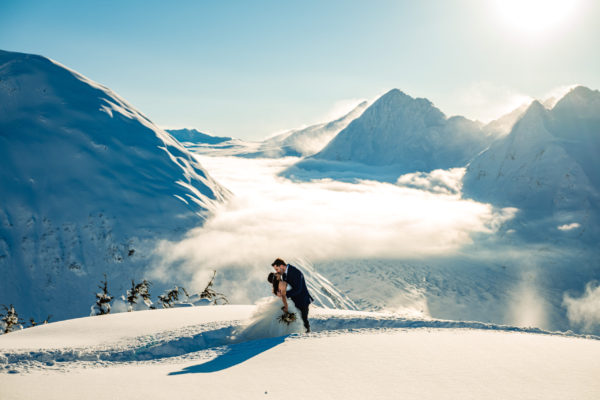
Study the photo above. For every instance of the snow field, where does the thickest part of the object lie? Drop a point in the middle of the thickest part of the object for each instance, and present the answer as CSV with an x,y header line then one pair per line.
x,y
349,354
419,363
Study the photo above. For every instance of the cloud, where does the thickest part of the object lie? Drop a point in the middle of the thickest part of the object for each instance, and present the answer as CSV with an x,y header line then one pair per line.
x,y
271,217
528,307
340,108
568,227
437,181
585,310
486,101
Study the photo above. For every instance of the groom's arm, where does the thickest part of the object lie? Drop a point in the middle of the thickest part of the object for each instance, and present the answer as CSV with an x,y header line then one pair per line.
x,y
295,281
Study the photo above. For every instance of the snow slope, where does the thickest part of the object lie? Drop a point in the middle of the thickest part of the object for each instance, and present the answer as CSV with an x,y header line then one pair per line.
x,y
350,355
88,184
409,134
547,166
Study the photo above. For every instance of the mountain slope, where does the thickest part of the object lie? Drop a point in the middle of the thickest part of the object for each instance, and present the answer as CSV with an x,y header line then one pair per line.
x,y
409,133
88,183
503,125
307,141
547,166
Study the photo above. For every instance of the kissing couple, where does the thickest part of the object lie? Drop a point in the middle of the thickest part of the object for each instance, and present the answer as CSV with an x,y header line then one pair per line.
x,y
288,281
276,316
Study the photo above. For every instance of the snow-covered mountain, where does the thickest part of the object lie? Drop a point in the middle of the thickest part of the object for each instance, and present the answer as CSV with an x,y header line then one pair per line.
x,y
88,184
548,165
410,134
295,143
195,136
306,141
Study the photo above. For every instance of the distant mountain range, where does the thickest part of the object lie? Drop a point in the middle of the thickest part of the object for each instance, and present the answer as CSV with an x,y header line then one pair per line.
x,y
196,137
88,185
294,143
306,141
409,133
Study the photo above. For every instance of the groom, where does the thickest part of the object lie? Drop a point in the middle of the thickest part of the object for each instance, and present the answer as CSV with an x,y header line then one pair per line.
x,y
298,293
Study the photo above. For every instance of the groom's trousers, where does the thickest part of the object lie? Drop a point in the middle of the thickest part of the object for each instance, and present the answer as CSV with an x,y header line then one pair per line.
x,y
304,313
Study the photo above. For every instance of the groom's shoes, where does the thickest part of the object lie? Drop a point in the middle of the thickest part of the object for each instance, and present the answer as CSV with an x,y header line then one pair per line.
x,y
307,330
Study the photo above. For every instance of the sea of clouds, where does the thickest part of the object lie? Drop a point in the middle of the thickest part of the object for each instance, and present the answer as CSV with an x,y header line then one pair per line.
x,y
270,216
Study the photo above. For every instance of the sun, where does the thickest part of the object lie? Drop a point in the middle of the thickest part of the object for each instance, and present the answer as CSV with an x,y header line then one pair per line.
x,y
535,16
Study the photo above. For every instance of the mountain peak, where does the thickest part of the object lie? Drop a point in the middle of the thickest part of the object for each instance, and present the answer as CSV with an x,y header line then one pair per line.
x,y
535,111
395,96
581,99
397,104
582,92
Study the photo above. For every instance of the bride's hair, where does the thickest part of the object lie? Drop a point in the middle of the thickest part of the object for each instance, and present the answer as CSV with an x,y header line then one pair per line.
x,y
272,278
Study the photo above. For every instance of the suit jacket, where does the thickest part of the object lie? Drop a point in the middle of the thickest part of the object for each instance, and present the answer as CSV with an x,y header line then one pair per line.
x,y
299,292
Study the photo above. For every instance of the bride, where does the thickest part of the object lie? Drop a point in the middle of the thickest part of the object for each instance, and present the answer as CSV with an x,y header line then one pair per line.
x,y
266,320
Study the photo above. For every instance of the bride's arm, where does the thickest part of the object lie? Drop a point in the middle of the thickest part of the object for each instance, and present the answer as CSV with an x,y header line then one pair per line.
x,y
282,290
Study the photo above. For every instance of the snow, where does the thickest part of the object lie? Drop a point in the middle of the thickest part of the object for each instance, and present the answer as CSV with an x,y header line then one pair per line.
x,y
350,355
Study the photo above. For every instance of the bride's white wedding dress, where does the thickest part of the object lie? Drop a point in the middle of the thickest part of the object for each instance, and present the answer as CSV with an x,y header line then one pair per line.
x,y
265,321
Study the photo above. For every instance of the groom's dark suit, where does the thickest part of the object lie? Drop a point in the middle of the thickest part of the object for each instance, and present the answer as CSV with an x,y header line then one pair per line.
x,y
299,292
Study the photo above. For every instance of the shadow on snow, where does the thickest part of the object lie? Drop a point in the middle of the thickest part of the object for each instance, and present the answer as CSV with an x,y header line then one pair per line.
x,y
234,354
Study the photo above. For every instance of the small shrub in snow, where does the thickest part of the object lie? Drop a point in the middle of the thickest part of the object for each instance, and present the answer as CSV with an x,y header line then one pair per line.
x,y
10,320
210,294
170,297
33,323
142,290
103,299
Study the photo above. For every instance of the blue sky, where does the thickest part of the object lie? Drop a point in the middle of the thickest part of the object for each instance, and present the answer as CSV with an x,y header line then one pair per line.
x,y
249,69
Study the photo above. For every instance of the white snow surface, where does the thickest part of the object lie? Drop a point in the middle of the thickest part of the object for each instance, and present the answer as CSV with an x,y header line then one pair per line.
x,y
87,183
351,355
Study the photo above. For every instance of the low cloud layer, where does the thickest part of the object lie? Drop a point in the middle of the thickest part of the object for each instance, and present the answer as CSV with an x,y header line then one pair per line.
x,y
486,101
438,181
584,311
270,217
